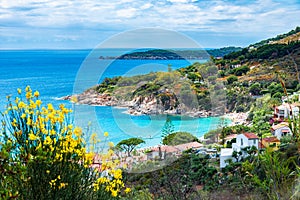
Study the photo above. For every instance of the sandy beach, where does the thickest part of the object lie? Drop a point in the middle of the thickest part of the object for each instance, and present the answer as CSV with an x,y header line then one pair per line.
x,y
237,118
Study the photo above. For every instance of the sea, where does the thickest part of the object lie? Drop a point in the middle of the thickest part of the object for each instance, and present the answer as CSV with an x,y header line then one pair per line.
x,y
58,73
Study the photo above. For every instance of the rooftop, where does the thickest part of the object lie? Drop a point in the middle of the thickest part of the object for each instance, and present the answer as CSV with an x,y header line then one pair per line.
x,y
190,145
230,137
250,135
270,139
280,125
165,148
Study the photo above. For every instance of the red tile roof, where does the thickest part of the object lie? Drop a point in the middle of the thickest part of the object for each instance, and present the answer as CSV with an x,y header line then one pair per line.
x,y
165,148
250,135
187,146
280,125
271,139
230,137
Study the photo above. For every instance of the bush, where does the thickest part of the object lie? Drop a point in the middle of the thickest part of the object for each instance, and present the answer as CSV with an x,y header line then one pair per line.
x,y
231,79
179,138
42,156
241,70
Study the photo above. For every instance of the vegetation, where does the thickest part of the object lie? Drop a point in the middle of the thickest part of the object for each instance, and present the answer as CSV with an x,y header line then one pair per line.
x,y
162,54
179,138
178,180
168,127
129,145
42,156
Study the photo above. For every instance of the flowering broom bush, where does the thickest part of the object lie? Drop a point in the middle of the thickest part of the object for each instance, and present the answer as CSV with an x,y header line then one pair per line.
x,y
42,156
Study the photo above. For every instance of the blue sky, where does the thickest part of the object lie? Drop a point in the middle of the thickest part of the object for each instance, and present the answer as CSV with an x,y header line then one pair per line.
x,y
63,24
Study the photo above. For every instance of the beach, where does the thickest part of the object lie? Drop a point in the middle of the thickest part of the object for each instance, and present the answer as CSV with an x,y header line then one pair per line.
x,y
237,118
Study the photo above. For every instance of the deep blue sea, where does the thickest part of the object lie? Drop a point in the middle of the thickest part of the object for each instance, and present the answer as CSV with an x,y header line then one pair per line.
x,y
57,73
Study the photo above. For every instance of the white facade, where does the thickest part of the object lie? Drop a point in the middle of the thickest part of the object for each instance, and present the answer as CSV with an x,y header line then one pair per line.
x,y
242,141
226,154
285,110
281,130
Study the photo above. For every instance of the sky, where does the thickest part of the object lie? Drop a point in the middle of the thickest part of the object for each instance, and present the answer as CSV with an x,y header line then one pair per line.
x,y
81,24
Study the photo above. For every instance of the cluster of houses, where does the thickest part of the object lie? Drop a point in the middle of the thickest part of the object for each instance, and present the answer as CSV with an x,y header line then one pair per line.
x,y
279,129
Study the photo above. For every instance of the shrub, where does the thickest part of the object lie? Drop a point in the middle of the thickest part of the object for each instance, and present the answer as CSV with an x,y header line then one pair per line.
x,y
42,156
179,138
231,79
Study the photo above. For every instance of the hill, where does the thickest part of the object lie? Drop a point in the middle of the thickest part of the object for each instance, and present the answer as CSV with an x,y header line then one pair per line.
x,y
169,54
266,59
231,83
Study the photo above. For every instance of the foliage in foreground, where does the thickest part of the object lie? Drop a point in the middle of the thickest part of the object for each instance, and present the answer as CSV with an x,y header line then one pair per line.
x,y
42,156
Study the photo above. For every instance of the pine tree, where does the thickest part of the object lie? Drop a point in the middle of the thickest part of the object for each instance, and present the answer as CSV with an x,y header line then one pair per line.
x,y
168,128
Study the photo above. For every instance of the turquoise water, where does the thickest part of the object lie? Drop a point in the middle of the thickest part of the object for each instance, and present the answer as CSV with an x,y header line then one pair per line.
x,y
57,73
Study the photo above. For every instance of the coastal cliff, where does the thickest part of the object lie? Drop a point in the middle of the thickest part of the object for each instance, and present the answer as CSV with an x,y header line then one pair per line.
x,y
140,105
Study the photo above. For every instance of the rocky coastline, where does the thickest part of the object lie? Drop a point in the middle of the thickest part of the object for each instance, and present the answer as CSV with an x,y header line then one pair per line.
x,y
136,106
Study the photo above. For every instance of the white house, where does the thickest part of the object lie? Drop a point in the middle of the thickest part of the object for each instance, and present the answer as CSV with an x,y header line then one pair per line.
x,y
286,110
245,140
242,140
280,130
226,154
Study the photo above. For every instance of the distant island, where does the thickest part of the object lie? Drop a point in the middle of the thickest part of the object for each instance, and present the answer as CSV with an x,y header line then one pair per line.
x,y
164,54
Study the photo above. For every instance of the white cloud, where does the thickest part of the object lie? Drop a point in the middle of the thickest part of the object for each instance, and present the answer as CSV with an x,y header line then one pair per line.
x,y
251,17
126,13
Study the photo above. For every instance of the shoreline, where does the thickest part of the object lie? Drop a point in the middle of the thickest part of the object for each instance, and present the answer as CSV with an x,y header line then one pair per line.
x,y
149,107
237,118
135,107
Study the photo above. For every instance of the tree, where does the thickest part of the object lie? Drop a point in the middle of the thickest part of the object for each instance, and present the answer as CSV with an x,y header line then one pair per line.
x,y
130,144
179,138
255,89
231,79
222,124
168,127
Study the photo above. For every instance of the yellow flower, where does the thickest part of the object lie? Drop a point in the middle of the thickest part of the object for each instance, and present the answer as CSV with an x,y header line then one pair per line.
x,y
114,193
105,134
27,89
28,95
38,102
70,126
21,104
52,132
118,174
127,190
111,144
47,171
58,177
19,91
23,115
62,185
77,131
29,121
50,107
32,137
32,105
47,141
17,100
36,94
